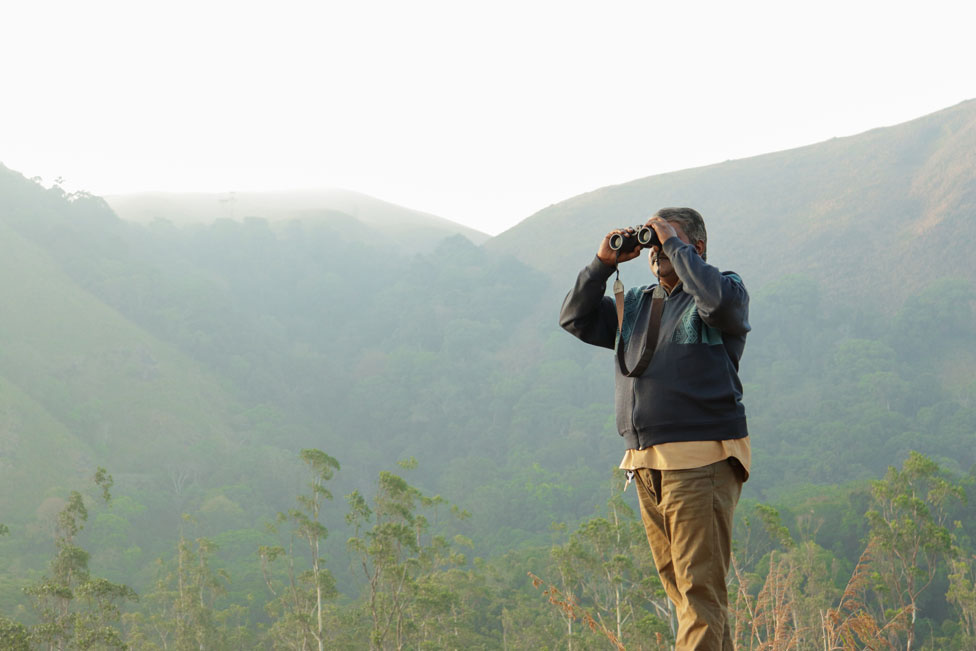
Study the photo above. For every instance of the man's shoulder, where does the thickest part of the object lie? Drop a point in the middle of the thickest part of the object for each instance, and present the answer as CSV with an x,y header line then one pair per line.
x,y
733,276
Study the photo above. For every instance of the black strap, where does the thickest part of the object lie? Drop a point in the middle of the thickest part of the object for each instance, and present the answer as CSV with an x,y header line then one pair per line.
x,y
650,341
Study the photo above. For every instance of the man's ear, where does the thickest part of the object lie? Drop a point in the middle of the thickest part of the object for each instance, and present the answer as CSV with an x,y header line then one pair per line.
x,y
700,247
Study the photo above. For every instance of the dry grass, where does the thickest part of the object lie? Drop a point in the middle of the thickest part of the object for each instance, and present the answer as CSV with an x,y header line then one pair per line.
x,y
775,620
569,607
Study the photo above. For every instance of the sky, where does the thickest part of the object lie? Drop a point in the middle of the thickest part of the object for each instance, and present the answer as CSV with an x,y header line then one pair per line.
x,y
478,112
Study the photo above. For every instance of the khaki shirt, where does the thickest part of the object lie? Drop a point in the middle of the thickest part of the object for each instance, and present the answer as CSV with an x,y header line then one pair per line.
x,y
682,455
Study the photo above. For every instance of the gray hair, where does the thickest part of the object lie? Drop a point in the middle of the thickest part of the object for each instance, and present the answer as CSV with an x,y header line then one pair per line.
x,y
691,223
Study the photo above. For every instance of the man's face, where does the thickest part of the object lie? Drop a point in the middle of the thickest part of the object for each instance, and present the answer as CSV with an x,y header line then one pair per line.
x,y
660,264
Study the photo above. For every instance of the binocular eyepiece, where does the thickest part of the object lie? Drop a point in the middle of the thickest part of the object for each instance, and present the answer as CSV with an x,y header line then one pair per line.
x,y
644,236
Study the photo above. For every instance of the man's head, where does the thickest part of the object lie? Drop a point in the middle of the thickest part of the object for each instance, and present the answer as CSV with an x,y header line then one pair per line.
x,y
689,227
691,223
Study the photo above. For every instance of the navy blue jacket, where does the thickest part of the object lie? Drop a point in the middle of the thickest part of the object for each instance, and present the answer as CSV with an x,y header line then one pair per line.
x,y
691,389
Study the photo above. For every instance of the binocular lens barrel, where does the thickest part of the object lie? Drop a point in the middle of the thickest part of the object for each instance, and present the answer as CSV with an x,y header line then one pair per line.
x,y
617,241
626,242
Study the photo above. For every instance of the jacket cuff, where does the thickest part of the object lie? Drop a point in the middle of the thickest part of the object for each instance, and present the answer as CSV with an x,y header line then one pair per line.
x,y
672,244
599,269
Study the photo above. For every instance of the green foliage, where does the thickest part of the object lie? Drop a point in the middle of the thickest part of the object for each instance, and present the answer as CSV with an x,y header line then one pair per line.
x,y
299,608
413,580
962,593
14,636
181,611
74,608
606,567
909,532
842,395
895,593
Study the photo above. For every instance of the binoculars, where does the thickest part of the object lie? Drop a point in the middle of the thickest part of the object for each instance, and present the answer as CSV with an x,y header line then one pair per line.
x,y
644,236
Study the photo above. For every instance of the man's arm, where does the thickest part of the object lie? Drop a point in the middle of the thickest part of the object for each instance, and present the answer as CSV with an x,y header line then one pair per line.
x,y
721,299
587,313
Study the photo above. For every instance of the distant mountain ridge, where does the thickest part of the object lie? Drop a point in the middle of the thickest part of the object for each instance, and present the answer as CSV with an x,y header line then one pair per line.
x,y
417,229
875,214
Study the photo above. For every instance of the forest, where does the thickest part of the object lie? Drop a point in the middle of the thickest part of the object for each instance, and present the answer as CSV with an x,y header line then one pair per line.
x,y
592,587
294,434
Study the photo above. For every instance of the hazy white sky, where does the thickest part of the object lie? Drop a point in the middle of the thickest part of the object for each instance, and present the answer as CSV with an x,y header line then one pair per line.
x,y
480,112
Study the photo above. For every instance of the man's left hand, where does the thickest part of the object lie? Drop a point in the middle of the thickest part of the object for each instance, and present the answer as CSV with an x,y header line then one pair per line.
x,y
664,230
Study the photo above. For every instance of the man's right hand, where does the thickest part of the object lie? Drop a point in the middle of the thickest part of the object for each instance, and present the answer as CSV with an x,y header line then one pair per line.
x,y
609,257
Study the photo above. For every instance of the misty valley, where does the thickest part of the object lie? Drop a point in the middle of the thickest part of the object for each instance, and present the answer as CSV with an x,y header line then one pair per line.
x,y
275,429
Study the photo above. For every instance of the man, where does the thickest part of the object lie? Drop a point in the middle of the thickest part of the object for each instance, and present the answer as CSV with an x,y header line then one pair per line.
x,y
681,416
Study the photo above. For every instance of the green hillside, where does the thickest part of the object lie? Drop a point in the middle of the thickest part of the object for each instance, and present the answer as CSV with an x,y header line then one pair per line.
x,y
871,216
103,383
85,386
862,312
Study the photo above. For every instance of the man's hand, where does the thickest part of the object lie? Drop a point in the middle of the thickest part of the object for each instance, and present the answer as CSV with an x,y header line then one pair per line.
x,y
663,228
609,256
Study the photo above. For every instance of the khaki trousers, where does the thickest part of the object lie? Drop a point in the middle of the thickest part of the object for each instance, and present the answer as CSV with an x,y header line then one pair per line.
x,y
687,515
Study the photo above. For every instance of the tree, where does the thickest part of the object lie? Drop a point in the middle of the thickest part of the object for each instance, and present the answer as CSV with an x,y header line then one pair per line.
x,y
908,532
14,636
298,606
407,598
75,609
798,604
181,612
962,593
608,563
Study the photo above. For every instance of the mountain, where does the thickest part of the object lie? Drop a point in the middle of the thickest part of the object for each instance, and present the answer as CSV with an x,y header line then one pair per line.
x,y
194,361
82,384
378,220
856,254
875,216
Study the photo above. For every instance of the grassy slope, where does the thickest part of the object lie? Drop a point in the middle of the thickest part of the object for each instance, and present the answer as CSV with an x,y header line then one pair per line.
x,y
84,387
